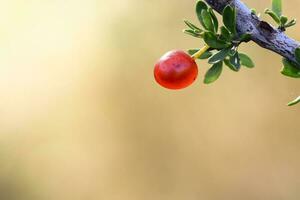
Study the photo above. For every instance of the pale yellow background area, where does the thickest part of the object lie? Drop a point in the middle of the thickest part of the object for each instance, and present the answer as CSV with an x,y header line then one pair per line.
x,y
81,117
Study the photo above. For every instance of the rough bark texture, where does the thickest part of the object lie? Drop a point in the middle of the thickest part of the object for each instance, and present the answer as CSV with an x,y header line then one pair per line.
x,y
261,32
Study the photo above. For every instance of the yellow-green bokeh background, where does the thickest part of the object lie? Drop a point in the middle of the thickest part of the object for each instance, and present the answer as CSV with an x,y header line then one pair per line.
x,y
81,117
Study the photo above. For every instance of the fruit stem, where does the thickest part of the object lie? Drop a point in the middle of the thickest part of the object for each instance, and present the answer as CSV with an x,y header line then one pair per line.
x,y
200,52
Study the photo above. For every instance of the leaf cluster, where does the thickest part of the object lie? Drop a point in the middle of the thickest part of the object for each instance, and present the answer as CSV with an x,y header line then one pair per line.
x,y
276,14
223,41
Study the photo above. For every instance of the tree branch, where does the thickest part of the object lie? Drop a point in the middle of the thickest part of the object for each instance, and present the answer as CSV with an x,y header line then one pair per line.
x,y
261,32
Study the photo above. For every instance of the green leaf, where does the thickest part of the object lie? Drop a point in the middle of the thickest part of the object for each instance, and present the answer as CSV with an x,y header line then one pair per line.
x,y
205,55
246,37
229,19
214,42
207,21
283,20
277,7
192,33
192,26
253,11
235,61
297,55
246,60
219,56
213,73
294,102
199,7
291,23
214,19
290,69
273,15
231,66
225,33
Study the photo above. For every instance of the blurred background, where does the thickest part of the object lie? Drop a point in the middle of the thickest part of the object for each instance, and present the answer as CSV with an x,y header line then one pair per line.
x,y
81,117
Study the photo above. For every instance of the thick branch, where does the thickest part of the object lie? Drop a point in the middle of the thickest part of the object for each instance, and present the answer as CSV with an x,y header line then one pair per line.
x,y
261,32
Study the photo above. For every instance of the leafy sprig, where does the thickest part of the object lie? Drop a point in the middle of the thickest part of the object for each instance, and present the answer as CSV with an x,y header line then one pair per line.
x,y
276,14
290,69
223,41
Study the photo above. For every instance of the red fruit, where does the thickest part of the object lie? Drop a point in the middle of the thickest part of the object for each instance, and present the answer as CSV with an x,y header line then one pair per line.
x,y
175,70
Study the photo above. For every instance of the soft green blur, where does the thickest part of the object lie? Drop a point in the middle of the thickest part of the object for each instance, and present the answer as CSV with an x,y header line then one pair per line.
x,y
81,117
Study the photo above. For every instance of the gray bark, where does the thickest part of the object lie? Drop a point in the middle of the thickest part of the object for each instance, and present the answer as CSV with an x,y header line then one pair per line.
x,y
261,32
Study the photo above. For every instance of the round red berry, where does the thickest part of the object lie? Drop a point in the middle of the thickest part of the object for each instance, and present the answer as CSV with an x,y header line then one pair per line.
x,y
175,70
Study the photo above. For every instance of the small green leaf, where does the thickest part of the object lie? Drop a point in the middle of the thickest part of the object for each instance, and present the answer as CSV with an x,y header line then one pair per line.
x,y
205,55
290,69
235,61
245,37
294,102
283,20
246,60
193,51
199,7
225,33
214,19
207,21
274,16
229,19
219,56
231,66
291,23
192,26
192,33
213,73
214,42
277,7
253,11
